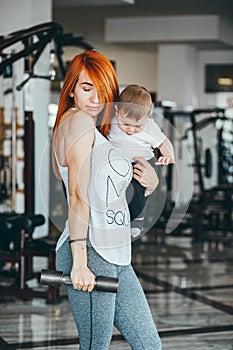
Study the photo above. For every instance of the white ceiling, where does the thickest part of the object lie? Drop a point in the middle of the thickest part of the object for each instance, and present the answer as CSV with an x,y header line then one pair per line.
x,y
155,7
74,3
88,16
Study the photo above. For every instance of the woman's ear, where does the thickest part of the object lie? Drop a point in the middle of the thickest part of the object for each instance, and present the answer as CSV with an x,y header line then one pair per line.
x,y
71,94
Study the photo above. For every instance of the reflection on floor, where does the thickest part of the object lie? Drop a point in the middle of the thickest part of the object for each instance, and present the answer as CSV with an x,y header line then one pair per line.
x,y
189,288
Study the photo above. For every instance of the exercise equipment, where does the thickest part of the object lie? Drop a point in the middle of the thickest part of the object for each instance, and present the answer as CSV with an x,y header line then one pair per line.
x,y
209,216
17,245
56,278
17,250
34,41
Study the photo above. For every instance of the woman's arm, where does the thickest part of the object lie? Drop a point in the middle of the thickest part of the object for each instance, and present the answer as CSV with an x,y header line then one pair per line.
x,y
79,143
145,174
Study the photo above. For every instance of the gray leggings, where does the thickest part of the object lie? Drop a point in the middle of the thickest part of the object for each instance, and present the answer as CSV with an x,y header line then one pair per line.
x,y
95,313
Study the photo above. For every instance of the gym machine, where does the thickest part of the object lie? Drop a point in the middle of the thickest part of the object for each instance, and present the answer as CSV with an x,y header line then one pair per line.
x,y
209,216
17,246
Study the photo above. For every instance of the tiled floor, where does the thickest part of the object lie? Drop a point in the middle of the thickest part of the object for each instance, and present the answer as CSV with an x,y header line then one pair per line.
x,y
189,288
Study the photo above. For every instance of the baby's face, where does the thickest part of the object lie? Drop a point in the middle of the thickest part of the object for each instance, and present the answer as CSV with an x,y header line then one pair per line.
x,y
129,125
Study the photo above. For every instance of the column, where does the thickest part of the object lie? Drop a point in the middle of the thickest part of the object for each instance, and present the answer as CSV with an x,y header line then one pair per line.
x,y
177,74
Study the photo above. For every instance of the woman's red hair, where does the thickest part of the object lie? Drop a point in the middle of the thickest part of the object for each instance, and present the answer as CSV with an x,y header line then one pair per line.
x,y
102,73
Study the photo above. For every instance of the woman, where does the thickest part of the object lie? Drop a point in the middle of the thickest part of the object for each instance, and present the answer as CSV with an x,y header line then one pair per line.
x,y
96,238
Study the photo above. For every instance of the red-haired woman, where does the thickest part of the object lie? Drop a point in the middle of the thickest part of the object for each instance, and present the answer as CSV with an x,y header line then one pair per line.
x,y
96,238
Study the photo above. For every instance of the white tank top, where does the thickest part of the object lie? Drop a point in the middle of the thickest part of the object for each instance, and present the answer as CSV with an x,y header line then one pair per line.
x,y
109,223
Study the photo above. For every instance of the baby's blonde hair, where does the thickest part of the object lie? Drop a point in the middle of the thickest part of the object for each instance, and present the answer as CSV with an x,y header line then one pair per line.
x,y
135,102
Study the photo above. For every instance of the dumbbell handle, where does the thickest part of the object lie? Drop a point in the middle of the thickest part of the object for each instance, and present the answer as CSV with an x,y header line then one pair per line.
x,y
56,278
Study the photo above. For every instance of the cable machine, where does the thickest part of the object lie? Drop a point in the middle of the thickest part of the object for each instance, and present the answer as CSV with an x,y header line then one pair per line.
x,y
209,216
17,246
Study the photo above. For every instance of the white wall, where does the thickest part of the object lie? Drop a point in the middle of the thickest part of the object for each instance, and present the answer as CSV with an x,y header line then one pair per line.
x,y
132,65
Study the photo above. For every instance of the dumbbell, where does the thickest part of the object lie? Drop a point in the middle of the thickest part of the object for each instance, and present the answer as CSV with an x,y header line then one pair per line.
x,y
56,278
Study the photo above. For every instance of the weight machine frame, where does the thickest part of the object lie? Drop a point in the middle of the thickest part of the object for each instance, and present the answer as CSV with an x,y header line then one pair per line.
x,y
195,217
33,42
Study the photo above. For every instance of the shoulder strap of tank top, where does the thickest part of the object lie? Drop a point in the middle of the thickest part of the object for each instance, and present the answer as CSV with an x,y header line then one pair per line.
x,y
55,155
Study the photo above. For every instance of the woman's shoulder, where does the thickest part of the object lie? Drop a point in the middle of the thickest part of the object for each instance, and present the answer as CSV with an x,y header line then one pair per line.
x,y
81,118
79,122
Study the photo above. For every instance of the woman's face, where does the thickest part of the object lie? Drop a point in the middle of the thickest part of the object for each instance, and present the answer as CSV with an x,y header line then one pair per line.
x,y
85,96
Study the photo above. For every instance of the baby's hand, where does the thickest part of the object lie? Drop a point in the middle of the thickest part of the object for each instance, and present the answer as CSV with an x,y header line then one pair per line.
x,y
165,160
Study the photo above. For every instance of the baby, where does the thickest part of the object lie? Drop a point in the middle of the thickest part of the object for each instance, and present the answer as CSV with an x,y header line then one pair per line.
x,y
137,135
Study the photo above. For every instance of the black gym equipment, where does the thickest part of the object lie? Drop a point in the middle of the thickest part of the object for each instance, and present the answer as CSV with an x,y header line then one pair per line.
x,y
56,278
17,245
34,40
209,216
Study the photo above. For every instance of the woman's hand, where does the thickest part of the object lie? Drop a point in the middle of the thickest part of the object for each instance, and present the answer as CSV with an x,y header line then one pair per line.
x,y
145,174
82,278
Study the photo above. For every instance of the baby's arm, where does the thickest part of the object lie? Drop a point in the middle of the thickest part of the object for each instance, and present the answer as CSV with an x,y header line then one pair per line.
x,y
167,150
